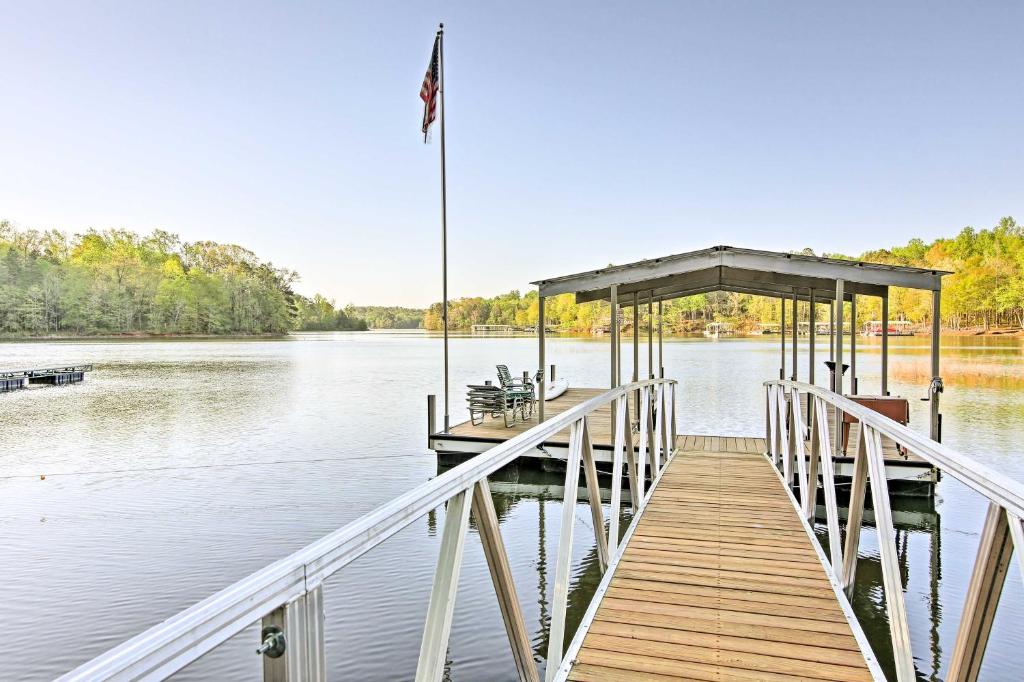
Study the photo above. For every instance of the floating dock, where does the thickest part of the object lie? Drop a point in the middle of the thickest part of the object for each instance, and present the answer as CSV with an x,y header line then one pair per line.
x,y
13,380
908,473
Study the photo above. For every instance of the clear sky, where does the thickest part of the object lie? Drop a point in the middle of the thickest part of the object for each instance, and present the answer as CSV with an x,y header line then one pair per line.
x,y
579,134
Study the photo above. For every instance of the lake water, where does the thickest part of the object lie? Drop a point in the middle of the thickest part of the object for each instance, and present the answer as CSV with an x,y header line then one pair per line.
x,y
179,467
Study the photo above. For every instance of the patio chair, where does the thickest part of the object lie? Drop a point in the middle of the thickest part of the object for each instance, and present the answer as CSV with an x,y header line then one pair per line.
x,y
522,389
494,401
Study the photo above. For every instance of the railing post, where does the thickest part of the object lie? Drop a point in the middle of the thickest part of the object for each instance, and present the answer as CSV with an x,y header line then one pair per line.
x,y
563,563
785,437
796,439
504,585
636,479
594,496
768,420
617,449
779,424
1017,533
855,510
659,424
828,478
810,503
302,623
442,596
899,629
647,455
983,592
673,422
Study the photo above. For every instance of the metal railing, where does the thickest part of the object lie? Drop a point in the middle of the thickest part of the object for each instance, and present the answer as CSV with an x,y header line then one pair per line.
x,y
1002,532
287,596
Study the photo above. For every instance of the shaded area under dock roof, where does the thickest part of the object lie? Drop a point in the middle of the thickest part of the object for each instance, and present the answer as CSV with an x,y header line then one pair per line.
x,y
749,271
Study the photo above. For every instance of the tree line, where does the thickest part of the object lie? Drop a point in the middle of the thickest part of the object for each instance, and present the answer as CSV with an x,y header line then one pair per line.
x,y
986,289
118,282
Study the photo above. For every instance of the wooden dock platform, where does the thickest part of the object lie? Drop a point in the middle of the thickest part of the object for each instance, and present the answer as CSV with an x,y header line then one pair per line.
x,y
910,474
467,439
719,581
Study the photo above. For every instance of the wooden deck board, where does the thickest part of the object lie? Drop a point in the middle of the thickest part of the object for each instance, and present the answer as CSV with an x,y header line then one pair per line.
x,y
719,581
599,420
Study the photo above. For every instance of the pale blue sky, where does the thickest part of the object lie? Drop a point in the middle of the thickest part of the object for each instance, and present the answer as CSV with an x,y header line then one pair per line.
x,y
578,135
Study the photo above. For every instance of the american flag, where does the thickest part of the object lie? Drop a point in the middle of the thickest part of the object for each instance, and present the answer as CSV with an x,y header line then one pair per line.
x,y
428,91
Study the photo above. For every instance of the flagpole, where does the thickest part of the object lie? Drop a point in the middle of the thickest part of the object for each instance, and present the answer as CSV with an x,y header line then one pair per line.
x,y
444,227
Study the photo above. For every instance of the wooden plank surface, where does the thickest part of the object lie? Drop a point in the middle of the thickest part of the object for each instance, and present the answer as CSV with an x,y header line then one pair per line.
x,y
719,582
599,422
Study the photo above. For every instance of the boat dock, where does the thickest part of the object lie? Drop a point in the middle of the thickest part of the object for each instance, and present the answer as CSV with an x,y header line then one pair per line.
x,y
12,380
718,574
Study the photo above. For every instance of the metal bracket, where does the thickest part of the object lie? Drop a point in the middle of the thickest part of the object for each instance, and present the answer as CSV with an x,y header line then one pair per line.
x,y
935,387
274,642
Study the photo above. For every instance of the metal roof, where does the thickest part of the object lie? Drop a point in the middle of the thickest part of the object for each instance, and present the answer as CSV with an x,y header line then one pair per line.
x,y
728,268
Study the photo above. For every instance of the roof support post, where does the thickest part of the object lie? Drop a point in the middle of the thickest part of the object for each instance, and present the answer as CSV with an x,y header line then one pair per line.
x,y
831,332
661,348
885,342
936,385
650,336
618,343
614,317
838,385
853,344
782,335
636,350
812,331
540,357
796,330
614,353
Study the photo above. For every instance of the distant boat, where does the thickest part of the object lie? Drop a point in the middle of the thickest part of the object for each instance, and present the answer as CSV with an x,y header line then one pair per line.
x,y
896,328
493,329
713,330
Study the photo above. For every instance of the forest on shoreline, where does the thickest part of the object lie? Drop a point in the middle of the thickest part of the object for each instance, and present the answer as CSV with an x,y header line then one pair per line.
x,y
116,282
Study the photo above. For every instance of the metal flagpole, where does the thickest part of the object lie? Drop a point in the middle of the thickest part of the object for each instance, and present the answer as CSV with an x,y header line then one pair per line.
x,y
444,225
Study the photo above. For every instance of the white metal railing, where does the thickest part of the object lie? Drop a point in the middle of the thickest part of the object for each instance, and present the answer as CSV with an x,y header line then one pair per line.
x,y
1002,532
287,597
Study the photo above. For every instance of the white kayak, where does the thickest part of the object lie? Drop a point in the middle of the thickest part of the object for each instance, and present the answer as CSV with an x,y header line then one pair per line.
x,y
555,389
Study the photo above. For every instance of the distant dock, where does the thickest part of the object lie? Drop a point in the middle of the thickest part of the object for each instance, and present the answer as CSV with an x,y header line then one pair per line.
x,y
16,379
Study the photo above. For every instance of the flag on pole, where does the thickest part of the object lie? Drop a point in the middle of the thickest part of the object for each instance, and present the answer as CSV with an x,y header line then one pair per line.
x,y
428,91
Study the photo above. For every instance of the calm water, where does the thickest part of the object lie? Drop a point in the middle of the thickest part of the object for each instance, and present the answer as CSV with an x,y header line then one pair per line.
x,y
179,467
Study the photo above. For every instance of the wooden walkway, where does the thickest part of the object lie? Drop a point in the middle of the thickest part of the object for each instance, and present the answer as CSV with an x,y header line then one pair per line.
x,y
719,581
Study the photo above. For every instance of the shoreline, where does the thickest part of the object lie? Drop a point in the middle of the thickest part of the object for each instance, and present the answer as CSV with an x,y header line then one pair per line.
x,y
136,336
151,336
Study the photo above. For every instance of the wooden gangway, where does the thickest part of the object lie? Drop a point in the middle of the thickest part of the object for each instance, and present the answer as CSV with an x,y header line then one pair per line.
x,y
719,581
